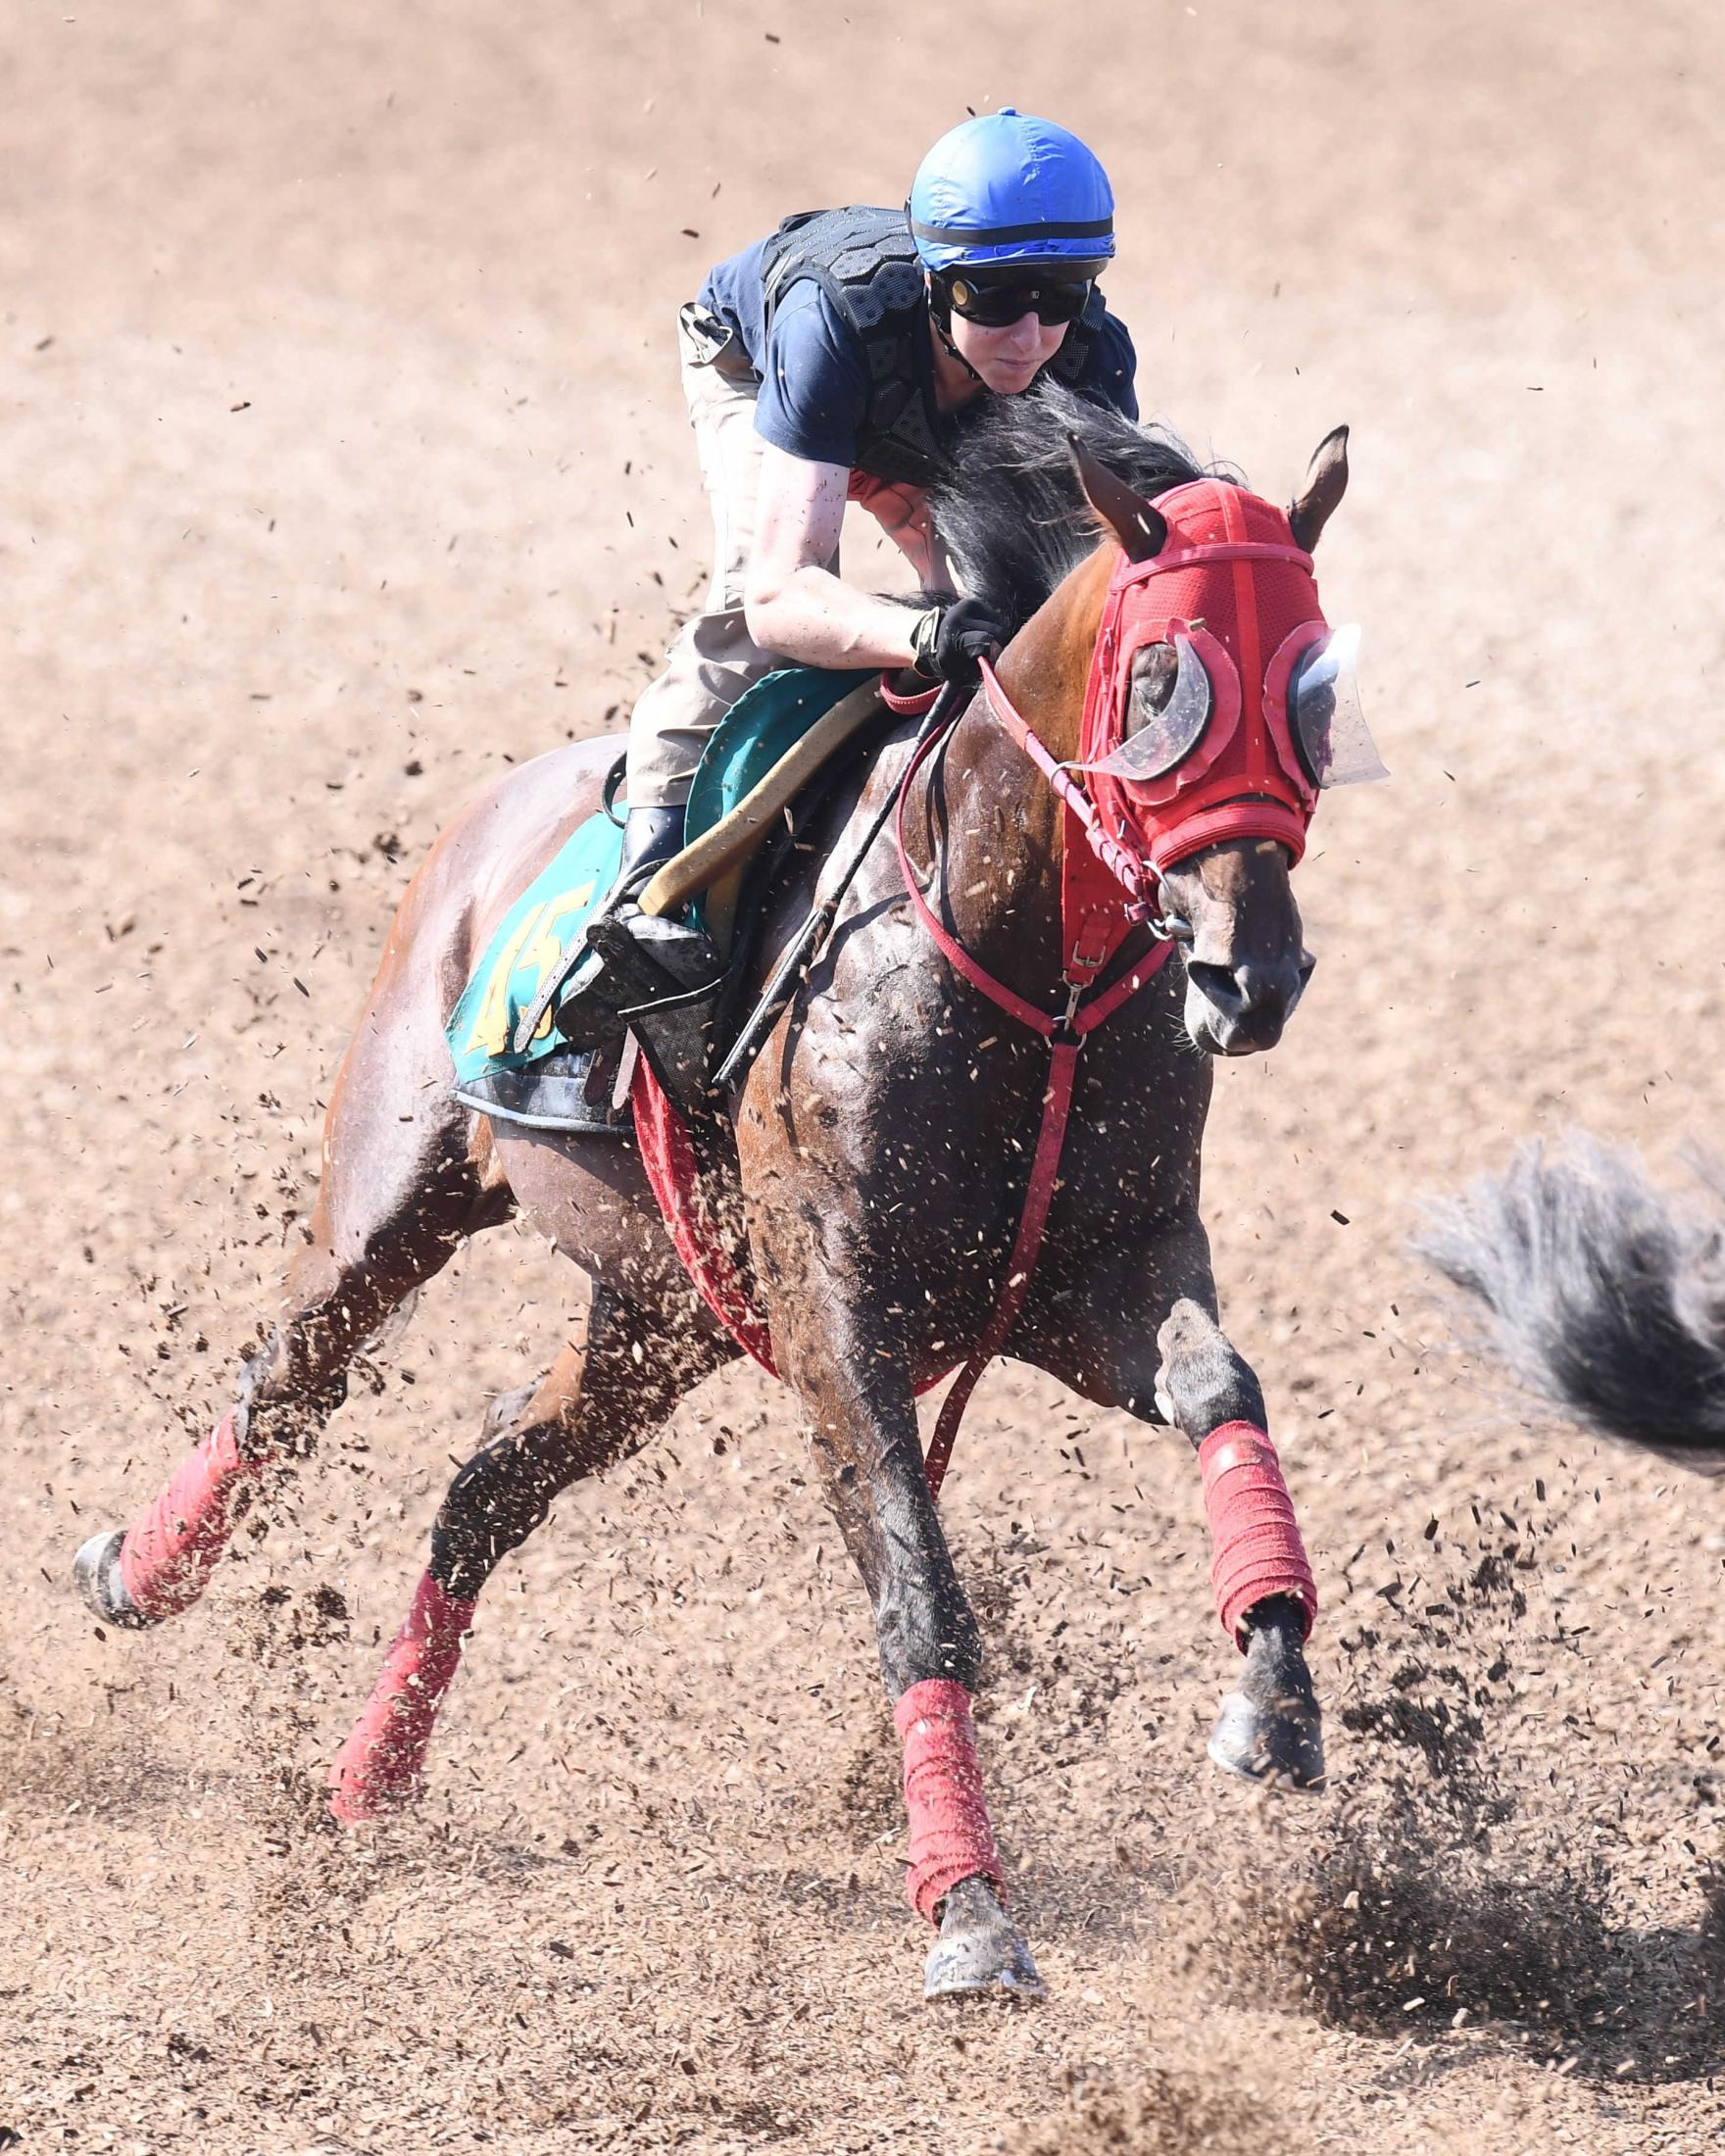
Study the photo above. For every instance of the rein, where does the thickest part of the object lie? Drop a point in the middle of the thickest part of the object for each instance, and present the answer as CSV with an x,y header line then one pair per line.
x,y
1130,869
1065,1032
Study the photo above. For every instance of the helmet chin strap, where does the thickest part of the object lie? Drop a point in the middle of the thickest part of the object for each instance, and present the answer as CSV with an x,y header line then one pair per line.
x,y
952,349
939,315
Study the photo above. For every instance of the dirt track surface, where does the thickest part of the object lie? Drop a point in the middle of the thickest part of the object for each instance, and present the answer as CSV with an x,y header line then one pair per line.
x,y
342,460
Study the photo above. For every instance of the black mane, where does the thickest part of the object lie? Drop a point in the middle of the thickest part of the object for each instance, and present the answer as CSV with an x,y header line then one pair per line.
x,y
1011,512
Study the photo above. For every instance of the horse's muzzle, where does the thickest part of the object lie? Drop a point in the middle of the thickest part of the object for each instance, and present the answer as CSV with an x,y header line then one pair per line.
x,y
1241,1009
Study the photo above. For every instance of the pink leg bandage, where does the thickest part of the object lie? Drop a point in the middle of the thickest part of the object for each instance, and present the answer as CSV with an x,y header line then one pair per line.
x,y
1253,1531
170,1551
381,1763
951,1838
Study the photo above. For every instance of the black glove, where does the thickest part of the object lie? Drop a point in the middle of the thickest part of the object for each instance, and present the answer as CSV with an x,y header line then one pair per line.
x,y
952,637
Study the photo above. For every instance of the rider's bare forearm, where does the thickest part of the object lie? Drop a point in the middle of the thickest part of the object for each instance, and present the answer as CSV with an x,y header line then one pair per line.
x,y
819,620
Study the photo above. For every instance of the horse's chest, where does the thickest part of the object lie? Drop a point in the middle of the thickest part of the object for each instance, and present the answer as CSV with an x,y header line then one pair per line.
x,y
933,1136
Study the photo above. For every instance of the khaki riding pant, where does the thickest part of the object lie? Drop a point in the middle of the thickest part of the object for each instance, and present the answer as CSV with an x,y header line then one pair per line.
x,y
713,659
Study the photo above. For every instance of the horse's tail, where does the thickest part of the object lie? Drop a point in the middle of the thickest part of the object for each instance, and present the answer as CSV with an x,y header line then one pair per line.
x,y
1603,1296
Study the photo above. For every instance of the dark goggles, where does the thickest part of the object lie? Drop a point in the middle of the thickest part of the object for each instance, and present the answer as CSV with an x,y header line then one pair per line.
x,y
998,306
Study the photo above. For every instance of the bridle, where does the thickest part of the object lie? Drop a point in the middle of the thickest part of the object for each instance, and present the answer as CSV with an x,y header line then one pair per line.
x,y
1136,832
1133,873
1129,868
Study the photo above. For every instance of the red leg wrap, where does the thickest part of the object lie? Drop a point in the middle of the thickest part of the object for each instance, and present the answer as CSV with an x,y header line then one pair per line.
x,y
951,1838
1257,1541
381,1763
170,1551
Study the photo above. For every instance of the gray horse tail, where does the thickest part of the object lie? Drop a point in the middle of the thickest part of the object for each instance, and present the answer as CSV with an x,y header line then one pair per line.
x,y
1603,1296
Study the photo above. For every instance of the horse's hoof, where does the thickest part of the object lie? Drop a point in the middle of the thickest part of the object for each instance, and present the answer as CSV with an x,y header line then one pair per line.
x,y
979,1950
506,1408
95,1573
1281,1746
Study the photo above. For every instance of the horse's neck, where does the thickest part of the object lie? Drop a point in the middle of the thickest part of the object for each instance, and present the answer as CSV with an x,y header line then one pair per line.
x,y
1001,842
1005,837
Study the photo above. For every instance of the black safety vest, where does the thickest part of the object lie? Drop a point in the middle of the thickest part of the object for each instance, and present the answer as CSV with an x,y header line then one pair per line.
x,y
865,262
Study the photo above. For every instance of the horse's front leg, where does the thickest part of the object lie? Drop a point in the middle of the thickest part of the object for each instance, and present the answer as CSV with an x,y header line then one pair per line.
x,y
1270,1727
1139,1331
863,1429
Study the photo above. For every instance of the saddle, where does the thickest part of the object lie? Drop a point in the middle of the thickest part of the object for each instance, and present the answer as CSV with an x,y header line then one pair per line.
x,y
779,745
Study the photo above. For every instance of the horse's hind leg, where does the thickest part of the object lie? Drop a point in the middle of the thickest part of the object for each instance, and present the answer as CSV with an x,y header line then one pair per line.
x,y
401,1190
603,1397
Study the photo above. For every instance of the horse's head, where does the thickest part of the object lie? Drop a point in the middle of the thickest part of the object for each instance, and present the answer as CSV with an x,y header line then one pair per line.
x,y
1218,704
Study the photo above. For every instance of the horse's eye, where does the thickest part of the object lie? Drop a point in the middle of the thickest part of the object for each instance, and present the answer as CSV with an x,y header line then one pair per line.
x,y
1154,670
1167,710
1329,728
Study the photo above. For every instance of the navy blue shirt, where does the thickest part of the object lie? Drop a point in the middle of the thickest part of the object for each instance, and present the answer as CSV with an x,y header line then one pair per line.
x,y
813,370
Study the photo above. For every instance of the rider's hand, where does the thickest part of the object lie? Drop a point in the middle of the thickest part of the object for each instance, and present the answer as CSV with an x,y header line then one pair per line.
x,y
952,637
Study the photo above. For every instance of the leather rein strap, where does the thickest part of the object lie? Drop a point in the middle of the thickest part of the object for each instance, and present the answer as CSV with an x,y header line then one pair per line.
x,y
1065,1032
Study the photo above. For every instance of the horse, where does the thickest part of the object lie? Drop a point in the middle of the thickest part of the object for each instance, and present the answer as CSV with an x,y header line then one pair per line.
x,y
1603,1296
885,1147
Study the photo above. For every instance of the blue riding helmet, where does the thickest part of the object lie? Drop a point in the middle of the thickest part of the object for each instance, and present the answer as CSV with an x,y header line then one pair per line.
x,y
1009,188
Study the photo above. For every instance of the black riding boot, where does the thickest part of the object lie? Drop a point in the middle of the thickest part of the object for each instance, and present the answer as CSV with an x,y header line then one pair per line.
x,y
651,836
634,958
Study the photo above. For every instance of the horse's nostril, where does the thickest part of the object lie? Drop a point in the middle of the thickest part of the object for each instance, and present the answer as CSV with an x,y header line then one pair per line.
x,y
1307,965
1216,984
1247,992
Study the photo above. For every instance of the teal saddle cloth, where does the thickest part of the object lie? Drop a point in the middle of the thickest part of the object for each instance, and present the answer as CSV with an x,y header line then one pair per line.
x,y
544,929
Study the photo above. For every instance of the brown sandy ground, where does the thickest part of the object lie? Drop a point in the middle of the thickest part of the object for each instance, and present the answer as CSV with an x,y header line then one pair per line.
x,y
341,461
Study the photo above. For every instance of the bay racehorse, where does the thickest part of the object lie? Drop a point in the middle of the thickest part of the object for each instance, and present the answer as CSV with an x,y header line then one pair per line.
x,y
902,1127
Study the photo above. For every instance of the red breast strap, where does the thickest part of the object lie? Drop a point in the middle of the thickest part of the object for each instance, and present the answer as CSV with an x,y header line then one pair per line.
x,y
1044,1174
669,1157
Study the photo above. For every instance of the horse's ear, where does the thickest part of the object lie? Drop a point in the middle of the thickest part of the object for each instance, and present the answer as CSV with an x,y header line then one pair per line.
x,y
1140,527
1326,481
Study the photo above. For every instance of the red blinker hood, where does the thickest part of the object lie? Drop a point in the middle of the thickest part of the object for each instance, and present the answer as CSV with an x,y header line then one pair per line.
x,y
1231,580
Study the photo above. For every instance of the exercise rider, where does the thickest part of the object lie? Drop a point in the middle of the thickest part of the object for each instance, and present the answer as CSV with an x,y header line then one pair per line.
x,y
829,362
